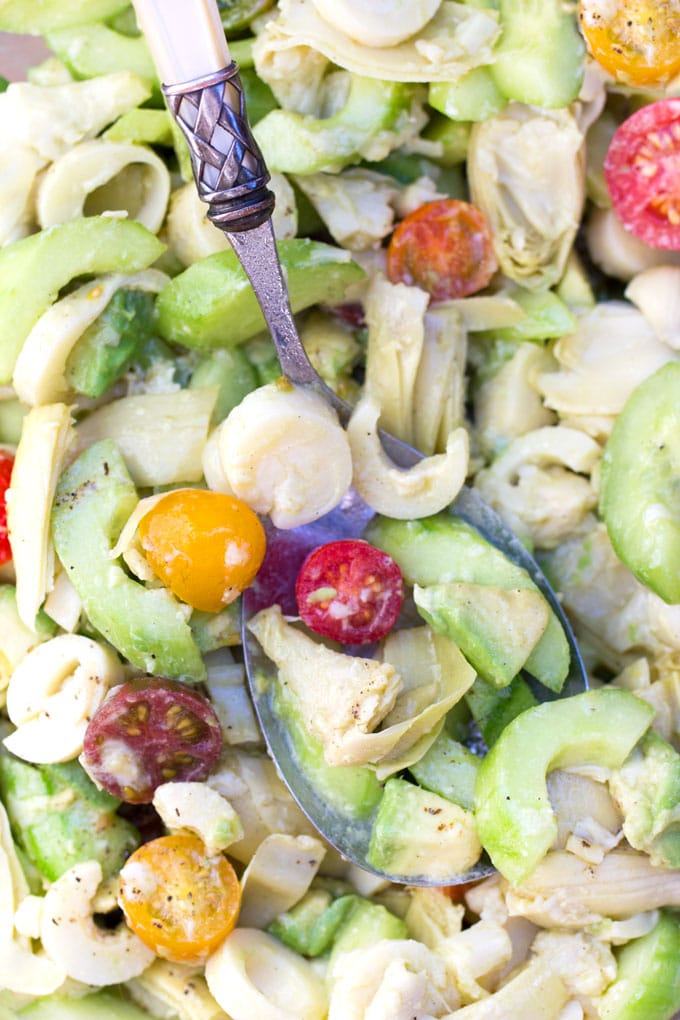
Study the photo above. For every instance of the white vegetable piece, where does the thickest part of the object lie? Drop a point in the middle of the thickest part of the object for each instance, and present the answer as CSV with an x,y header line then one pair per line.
x,y
618,252
75,943
278,876
656,292
167,990
285,454
418,491
381,23
53,694
202,810
254,977
46,437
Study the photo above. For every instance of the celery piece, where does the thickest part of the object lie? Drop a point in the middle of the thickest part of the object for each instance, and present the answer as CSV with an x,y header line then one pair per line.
x,y
312,924
34,270
95,497
540,58
493,708
142,127
60,818
211,304
452,135
230,370
89,50
475,96
515,819
546,317
301,144
108,346
40,18
449,769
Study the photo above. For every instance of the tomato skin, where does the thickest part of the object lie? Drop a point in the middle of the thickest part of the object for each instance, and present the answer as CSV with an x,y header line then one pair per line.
x,y
444,247
634,40
6,465
206,547
349,591
150,731
642,168
181,901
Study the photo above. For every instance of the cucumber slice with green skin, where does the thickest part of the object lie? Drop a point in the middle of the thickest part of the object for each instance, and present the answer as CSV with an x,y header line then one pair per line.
x,y
547,317
493,708
473,97
211,304
514,817
95,497
540,58
89,50
443,548
640,483
100,1006
647,985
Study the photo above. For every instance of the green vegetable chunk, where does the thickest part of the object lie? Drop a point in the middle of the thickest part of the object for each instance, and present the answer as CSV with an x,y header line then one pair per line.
x,y
95,497
515,821
475,96
640,488
60,818
109,345
42,17
89,50
211,304
449,769
34,270
494,707
301,144
99,1006
229,369
442,549
540,58
311,926
647,985
366,924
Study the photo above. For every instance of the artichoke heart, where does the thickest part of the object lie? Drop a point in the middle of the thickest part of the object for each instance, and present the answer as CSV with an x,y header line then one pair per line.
x,y
527,173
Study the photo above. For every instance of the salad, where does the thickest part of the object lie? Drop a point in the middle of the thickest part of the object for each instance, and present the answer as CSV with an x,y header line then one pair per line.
x,y
477,212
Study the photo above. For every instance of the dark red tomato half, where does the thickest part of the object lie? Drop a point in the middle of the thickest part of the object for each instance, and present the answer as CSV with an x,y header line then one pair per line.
x,y
349,591
148,732
642,168
6,465
444,247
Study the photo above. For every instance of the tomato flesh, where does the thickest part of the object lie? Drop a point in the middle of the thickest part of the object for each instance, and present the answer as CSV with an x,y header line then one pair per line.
x,y
636,41
147,732
6,465
349,591
178,899
206,547
444,247
642,169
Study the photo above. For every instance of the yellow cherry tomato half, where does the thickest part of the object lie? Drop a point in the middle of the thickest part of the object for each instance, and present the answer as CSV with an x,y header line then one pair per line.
x,y
636,41
206,547
181,901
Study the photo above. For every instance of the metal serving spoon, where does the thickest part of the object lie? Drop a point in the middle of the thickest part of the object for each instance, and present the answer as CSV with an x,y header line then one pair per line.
x,y
205,95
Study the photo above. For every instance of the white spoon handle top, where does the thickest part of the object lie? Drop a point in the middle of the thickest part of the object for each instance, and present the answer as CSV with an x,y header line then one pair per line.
x,y
186,38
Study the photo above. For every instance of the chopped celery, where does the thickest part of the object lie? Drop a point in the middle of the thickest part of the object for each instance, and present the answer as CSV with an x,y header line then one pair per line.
x,y
230,370
475,96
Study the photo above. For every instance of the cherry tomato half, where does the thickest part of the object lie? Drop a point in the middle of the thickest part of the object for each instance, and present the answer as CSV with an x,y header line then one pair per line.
x,y
445,247
642,169
206,547
178,899
151,731
6,465
349,591
636,41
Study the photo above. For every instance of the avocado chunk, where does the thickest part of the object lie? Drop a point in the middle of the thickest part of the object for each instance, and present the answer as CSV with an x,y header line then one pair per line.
x,y
312,924
107,347
60,818
647,791
647,985
419,834
515,820
496,629
449,769
365,925
445,549
211,304
95,496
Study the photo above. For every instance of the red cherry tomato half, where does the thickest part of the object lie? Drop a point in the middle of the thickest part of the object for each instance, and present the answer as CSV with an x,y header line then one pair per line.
x,y
444,247
642,168
148,732
6,465
349,591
